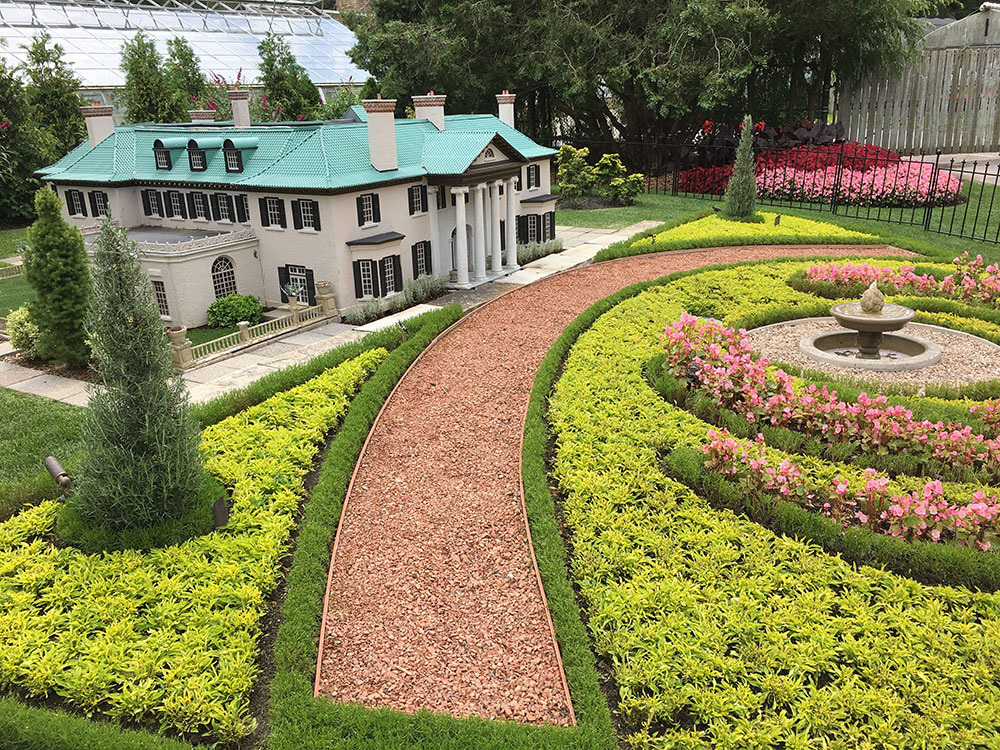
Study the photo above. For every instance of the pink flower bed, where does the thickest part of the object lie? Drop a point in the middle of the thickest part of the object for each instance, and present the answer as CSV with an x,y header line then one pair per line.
x,y
972,282
737,379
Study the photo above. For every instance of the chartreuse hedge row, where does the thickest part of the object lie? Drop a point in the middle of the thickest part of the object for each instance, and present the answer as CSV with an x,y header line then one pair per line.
x,y
33,728
721,633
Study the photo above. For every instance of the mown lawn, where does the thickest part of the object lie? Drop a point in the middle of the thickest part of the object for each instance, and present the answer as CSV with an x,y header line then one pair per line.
x,y
14,293
201,335
9,240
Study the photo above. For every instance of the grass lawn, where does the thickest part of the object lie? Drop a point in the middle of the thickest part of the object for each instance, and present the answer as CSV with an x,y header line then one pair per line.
x,y
667,208
33,428
9,240
201,335
14,293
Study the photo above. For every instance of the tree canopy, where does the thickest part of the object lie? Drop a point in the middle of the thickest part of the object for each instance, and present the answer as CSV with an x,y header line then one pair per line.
x,y
149,94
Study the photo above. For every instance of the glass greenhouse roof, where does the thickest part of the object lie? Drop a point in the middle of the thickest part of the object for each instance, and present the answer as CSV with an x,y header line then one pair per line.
x,y
224,35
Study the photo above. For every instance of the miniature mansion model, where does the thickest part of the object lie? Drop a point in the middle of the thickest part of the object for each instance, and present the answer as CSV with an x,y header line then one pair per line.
x,y
365,204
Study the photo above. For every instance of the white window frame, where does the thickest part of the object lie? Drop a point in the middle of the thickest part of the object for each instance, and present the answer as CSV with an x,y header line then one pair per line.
x,y
160,297
233,160
178,207
274,213
297,275
101,203
367,209
162,158
200,204
244,199
154,204
389,277
417,200
224,208
422,253
198,160
366,268
532,227
307,216
534,176
223,279
76,199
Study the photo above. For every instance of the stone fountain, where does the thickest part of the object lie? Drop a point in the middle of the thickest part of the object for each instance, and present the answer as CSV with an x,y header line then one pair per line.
x,y
872,346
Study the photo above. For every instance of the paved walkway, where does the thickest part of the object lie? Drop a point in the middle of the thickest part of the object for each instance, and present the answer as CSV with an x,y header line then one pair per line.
x,y
433,600
214,378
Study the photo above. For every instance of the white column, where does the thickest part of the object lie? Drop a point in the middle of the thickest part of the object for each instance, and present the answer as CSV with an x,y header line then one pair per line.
x,y
479,231
461,243
495,225
511,226
488,224
439,261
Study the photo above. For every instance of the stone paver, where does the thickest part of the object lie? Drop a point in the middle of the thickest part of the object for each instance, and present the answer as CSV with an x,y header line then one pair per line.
x,y
11,373
52,386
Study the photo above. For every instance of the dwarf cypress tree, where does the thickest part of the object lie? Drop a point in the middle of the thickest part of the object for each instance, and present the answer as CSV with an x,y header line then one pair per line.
x,y
141,465
741,193
55,265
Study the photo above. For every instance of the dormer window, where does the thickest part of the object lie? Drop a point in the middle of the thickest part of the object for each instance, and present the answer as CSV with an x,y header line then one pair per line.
x,y
196,156
234,160
162,158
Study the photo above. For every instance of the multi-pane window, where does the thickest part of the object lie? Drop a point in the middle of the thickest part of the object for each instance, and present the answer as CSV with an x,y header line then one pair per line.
x,y
367,278
417,200
534,176
224,214
233,161
162,158
389,279
200,205
275,215
153,199
421,258
75,202
100,203
223,277
308,214
298,280
442,197
368,208
532,228
197,158
176,203
160,295
517,181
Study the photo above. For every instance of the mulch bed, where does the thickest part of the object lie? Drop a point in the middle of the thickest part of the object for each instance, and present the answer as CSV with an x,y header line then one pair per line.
x,y
434,602
84,374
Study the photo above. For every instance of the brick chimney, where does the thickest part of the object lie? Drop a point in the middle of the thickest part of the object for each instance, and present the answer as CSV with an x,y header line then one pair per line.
x,y
505,104
100,122
382,133
240,99
430,107
201,115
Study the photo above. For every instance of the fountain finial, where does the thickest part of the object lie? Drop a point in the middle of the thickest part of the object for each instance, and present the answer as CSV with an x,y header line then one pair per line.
x,y
872,301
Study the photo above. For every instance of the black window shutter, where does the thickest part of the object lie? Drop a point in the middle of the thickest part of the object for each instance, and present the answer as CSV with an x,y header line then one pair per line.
x,y
184,214
361,212
281,213
283,281
311,286
315,215
69,203
213,201
522,229
93,202
264,221
169,206
241,209
296,215
423,197
397,272
409,199
229,204
415,249
147,207
190,201
357,280
83,203
375,208
503,234
158,198
381,276
453,200
442,197
552,225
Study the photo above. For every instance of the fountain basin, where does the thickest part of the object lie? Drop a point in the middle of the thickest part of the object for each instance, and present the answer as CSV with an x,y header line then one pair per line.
x,y
871,325
894,353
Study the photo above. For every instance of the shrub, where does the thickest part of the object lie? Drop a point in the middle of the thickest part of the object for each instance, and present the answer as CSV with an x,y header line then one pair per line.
x,y
22,331
575,176
141,464
227,311
420,290
55,264
741,193
534,250
364,313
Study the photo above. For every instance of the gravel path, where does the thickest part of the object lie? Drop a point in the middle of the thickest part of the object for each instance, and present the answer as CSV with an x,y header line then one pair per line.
x,y
433,600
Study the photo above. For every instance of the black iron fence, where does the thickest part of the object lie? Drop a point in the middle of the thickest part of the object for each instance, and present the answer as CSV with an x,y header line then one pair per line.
x,y
956,197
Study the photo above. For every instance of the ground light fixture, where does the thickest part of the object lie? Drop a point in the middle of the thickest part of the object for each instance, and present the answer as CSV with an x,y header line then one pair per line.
x,y
59,475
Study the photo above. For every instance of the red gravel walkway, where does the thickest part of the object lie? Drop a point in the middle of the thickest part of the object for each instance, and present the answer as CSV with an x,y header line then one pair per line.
x,y
433,600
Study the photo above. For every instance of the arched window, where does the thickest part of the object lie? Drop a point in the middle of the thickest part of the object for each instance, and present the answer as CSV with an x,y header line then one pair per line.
x,y
223,277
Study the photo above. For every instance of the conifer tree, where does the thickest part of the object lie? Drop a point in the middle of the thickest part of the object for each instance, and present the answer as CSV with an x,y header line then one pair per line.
x,y
55,265
141,465
149,94
51,92
741,193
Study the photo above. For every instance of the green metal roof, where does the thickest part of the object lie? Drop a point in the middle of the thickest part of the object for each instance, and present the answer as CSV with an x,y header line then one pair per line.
x,y
314,156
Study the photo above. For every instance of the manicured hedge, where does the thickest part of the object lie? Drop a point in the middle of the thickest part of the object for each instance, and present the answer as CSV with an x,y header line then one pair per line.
x,y
721,633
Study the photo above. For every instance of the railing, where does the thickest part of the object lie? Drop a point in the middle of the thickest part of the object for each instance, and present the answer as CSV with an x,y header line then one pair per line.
x,y
938,193
200,243
188,355
11,272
